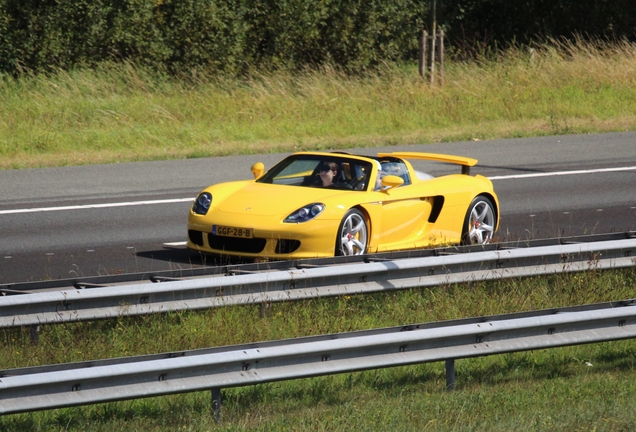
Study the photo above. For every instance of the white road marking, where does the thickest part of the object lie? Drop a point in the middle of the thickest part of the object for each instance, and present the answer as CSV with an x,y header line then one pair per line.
x,y
561,173
95,206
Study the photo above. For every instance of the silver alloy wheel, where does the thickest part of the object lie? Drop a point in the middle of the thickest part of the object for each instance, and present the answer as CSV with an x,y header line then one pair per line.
x,y
481,221
353,233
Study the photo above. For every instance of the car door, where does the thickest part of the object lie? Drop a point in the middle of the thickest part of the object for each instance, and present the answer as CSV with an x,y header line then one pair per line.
x,y
404,216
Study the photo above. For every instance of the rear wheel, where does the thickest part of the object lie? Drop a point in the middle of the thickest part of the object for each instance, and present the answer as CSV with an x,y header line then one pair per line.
x,y
352,234
479,224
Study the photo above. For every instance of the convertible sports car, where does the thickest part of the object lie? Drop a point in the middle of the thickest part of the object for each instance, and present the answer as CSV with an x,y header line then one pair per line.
x,y
319,204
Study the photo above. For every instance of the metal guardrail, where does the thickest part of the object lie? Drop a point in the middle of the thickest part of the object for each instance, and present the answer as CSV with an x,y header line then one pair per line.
x,y
74,384
227,268
281,285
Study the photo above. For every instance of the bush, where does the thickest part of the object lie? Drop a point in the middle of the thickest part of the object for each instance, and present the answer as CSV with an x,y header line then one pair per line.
x,y
502,22
222,35
232,36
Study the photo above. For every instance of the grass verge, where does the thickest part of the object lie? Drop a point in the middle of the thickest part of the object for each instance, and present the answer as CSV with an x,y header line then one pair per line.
x,y
120,112
577,388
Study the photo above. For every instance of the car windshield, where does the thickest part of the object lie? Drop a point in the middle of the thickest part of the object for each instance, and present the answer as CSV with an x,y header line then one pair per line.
x,y
320,171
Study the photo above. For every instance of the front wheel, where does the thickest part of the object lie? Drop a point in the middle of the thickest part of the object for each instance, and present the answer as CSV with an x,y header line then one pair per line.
x,y
479,224
352,234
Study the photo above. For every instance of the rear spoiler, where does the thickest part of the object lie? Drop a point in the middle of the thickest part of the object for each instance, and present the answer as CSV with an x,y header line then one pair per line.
x,y
465,162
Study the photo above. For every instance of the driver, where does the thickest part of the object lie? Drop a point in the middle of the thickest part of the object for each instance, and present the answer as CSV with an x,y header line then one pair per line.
x,y
328,171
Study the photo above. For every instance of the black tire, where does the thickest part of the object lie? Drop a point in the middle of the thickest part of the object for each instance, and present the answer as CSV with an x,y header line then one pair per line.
x,y
353,234
480,221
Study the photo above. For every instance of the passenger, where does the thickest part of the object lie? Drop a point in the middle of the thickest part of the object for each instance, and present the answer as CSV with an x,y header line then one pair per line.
x,y
378,179
388,168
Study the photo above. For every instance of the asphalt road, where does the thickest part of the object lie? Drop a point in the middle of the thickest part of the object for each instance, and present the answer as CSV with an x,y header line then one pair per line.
x,y
548,187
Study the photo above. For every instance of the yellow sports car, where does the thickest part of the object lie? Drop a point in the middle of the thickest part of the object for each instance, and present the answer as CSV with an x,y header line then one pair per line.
x,y
319,204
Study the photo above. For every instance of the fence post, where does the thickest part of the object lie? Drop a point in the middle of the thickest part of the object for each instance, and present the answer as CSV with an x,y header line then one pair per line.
x,y
440,55
431,65
433,28
422,58
450,374
431,52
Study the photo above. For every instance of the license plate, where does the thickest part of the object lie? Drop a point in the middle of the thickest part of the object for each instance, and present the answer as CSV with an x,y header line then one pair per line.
x,y
232,231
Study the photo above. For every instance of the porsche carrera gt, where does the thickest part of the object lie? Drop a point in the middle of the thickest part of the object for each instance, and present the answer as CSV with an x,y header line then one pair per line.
x,y
319,204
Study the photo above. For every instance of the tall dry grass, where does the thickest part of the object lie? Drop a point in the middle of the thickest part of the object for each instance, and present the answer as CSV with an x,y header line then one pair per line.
x,y
120,112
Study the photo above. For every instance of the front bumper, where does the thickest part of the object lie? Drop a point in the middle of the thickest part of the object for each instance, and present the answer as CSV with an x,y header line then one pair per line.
x,y
271,238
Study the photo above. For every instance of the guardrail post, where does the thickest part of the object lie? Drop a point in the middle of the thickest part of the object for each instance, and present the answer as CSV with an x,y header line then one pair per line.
x,y
35,334
450,374
264,309
216,404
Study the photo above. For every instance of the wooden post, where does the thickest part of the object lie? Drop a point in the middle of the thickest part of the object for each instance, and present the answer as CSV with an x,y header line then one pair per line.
x,y
422,58
433,29
431,65
429,55
440,55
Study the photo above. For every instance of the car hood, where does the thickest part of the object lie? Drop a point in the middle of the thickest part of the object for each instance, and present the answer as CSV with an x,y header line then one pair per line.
x,y
260,199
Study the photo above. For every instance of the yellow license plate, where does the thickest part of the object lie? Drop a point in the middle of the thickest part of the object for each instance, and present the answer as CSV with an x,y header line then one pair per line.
x,y
232,231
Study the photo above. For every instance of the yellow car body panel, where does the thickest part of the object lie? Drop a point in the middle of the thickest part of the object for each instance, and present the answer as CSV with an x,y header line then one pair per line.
x,y
247,218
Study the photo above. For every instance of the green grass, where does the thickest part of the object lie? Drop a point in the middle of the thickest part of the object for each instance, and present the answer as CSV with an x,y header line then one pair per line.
x,y
119,112
537,390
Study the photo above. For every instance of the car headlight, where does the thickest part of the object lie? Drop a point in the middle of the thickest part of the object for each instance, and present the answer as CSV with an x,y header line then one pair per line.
x,y
202,203
305,213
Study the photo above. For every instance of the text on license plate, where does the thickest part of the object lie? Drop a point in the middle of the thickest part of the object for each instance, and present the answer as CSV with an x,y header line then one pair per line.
x,y
232,231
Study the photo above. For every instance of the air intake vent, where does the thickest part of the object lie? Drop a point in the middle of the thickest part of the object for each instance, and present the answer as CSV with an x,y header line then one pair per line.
x,y
232,244
285,246
196,237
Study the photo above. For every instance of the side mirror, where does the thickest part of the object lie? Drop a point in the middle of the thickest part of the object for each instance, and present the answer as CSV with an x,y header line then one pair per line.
x,y
257,169
391,181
